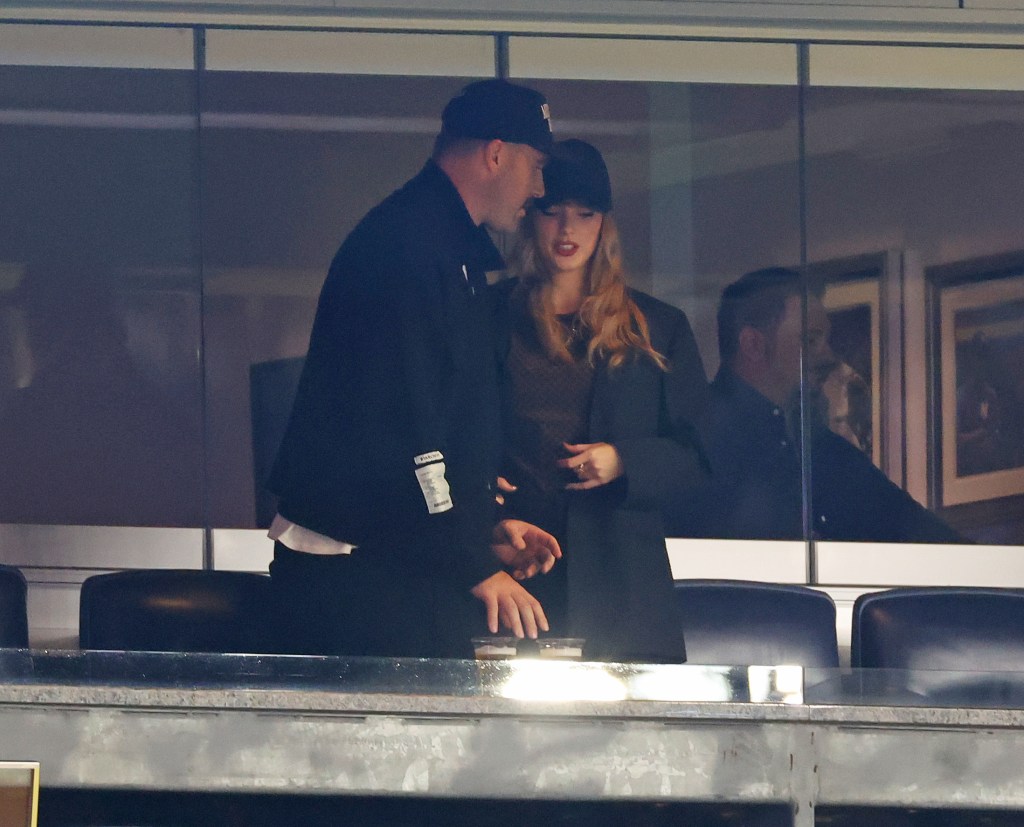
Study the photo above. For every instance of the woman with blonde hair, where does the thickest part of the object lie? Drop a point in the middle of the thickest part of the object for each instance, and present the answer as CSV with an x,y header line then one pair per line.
x,y
601,384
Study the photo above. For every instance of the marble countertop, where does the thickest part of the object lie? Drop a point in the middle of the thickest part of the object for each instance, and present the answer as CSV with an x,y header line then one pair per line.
x,y
517,688
115,721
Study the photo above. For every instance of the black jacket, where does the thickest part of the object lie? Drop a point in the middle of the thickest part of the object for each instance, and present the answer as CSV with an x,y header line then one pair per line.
x,y
400,376
619,578
757,489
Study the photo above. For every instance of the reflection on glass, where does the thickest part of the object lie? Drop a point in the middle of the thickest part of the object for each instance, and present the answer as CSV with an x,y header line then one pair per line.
x,y
978,379
290,163
532,680
781,684
947,689
659,684
851,383
101,397
706,181
988,351
930,179
706,188
925,688
100,417
522,679
536,680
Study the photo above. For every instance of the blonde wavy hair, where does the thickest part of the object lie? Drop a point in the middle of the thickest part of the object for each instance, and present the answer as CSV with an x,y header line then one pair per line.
x,y
616,326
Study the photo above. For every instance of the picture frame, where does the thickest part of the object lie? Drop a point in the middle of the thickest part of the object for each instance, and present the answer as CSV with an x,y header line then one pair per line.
x,y
854,310
977,353
853,293
19,793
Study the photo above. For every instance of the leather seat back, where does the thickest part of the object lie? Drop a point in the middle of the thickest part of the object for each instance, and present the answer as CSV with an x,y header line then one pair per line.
x,y
13,608
939,628
175,611
737,622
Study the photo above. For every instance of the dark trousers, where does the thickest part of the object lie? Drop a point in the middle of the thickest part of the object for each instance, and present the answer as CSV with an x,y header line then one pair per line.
x,y
368,603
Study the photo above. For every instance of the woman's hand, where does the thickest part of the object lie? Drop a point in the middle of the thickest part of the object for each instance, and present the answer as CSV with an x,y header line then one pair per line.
x,y
504,487
524,548
594,463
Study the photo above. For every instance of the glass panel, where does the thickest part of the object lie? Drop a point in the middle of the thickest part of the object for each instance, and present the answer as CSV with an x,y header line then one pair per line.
x,y
593,685
291,162
100,402
914,198
938,688
705,182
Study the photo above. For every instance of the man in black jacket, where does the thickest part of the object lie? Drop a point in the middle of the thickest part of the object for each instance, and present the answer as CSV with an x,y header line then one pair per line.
x,y
751,432
386,529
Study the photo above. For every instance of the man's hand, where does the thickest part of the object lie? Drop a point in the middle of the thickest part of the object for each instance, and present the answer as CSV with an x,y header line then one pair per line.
x,y
518,610
593,463
504,487
523,547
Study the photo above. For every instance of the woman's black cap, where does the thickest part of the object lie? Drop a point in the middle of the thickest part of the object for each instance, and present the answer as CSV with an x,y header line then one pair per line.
x,y
575,171
490,109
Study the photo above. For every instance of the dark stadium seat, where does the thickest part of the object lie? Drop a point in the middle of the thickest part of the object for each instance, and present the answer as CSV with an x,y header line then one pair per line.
x,y
174,610
13,608
736,622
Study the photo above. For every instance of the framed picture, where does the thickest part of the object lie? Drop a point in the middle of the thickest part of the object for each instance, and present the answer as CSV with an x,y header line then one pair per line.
x,y
978,396
854,390
19,793
853,387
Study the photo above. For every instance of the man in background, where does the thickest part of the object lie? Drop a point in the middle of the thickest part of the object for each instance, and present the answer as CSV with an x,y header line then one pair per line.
x,y
751,432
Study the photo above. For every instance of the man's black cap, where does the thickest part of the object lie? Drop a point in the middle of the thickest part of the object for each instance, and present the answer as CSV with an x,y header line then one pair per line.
x,y
490,109
575,171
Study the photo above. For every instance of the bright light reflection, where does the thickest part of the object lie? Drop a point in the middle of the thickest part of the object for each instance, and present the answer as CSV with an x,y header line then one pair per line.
x,y
777,684
681,684
534,680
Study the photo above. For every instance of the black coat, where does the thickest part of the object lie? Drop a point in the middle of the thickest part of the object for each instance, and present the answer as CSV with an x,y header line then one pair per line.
x,y
757,481
619,579
401,376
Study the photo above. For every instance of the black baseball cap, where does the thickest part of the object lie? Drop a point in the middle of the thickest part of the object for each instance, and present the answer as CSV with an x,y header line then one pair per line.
x,y
575,171
490,109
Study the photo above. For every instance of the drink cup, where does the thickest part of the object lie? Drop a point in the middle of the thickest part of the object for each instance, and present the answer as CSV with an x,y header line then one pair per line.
x,y
494,648
560,648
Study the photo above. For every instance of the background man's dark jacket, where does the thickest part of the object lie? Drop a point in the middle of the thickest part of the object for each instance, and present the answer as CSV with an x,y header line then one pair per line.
x,y
756,490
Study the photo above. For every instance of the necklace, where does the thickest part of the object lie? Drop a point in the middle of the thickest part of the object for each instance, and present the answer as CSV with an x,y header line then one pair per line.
x,y
573,325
